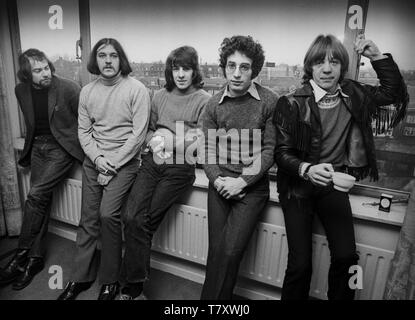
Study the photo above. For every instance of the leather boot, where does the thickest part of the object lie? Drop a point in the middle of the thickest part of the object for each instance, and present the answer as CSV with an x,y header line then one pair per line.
x,y
109,291
14,268
72,290
33,267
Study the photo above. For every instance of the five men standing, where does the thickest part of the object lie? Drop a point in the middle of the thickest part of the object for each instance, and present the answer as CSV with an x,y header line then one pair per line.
x,y
323,127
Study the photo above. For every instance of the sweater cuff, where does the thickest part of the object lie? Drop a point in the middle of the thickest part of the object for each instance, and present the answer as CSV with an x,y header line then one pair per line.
x,y
249,179
302,168
212,172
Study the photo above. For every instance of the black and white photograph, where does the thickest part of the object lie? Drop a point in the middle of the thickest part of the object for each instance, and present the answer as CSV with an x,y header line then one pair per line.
x,y
207,155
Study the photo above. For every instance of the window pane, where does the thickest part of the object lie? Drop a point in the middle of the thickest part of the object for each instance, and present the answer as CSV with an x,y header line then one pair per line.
x,y
149,30
52,27
395,149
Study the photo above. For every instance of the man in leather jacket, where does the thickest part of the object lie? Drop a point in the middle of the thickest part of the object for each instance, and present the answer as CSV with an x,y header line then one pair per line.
x,y
322,127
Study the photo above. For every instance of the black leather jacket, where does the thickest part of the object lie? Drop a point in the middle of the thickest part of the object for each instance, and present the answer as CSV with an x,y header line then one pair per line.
x,y
298,126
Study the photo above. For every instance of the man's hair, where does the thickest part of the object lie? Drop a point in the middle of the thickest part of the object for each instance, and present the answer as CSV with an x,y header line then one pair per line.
x,y
25,69
245,45
124,64
319,48
184,56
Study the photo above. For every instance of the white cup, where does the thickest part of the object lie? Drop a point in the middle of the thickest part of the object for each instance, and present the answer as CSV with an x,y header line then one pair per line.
x,y
343,181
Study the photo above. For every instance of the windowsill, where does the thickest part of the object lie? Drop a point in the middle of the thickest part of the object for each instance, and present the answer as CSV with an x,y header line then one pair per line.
x,y
370,213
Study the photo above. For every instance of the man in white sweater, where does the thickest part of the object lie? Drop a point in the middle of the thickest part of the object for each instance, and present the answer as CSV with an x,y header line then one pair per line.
x,y
113,118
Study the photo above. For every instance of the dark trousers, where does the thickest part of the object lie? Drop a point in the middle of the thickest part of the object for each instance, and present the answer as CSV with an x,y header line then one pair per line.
x,y
155,190
333,209
50,164
101,221
230,224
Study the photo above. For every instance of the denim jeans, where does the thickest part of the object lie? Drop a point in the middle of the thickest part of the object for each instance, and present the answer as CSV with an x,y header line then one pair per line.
x,y
333,209
101,222
155,190
231,224
50,164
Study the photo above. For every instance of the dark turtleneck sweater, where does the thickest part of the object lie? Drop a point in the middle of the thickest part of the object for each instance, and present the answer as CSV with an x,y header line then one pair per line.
x,y
40,106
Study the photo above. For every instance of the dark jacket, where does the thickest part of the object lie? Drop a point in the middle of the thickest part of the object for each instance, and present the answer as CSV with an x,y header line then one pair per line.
x,y
63,97
298,126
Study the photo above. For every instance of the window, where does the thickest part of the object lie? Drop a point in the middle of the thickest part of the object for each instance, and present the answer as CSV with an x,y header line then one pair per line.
x,y
204,24
394,148
149,30
54,29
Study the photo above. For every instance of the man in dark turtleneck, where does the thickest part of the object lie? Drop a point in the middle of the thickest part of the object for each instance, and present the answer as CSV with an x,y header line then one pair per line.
x,y
50,108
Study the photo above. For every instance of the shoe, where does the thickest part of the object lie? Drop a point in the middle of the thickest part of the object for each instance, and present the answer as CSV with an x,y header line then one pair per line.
x,y
34,266
108,291
14,268
72,290
125,296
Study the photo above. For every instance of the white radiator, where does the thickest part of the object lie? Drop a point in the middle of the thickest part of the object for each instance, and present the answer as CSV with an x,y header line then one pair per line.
x,y
66,204
184,234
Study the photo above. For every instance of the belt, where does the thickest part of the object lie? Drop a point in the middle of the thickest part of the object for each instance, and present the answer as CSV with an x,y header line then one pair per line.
x,y
45,137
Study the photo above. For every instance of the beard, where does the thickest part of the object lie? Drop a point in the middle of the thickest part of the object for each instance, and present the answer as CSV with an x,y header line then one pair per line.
x,y
43,84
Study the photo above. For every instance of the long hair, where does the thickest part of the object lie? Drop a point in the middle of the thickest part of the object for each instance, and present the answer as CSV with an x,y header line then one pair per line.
x,y
124,64
184,56
246,45
25,69
319,48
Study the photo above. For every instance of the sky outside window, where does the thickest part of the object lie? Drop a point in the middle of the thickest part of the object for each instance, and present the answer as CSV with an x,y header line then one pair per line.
x,y
149,30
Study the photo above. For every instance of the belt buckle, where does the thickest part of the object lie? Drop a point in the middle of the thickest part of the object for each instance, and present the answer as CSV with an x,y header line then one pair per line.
x,y
43,137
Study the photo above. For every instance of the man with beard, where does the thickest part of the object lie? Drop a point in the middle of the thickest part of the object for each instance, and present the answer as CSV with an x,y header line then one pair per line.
x,y
50,109
114,112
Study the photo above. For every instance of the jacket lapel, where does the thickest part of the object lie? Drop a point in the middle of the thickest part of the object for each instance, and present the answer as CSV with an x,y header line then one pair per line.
x,y
52,97
306,92
352,100
27,103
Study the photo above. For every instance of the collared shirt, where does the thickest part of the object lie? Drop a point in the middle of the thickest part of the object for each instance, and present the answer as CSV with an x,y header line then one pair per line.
x,y
251,90
319,92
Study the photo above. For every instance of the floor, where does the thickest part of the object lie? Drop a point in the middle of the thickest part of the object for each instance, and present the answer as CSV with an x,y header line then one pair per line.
x,y
162,285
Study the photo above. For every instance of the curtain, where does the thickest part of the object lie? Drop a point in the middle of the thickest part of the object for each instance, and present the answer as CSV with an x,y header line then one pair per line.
x,y
10,207
400,284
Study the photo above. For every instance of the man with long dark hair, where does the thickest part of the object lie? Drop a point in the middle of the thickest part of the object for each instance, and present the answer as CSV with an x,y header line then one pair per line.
x,y
322,127
114,113
50,108
163,177
237,171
